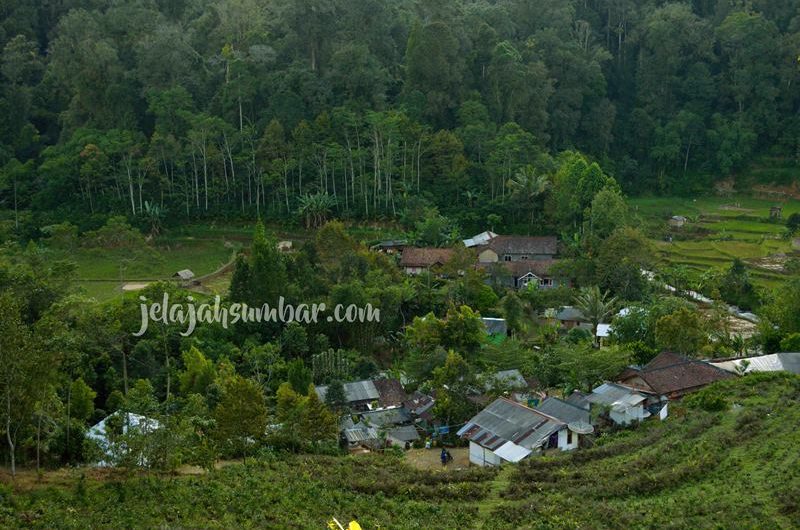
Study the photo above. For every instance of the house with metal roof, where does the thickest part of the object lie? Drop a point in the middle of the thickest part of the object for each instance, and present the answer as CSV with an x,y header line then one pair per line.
x,y
506,431
625,405
775,362
495,326
359,394
564,410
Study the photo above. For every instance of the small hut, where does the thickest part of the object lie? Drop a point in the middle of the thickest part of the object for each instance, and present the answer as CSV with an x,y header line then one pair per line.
x,y
677,221
284,246
184,277
776,212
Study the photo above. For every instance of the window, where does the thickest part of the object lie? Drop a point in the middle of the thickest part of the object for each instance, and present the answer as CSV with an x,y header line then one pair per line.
x,y
507,257
524,256
569,437
546,282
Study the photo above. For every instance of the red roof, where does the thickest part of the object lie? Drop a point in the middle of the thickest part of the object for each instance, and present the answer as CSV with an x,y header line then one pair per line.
x,y
425,257
674,375
390,392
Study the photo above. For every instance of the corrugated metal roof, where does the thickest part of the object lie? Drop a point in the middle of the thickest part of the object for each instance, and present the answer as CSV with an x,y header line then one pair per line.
x,y
604,330
406,433
356,391
616,396
563,410
361,433
569,313
379,418
788,361
505,421
512,452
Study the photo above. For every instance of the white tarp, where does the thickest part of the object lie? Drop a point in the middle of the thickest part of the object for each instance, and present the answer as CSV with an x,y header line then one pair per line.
x,y
512,452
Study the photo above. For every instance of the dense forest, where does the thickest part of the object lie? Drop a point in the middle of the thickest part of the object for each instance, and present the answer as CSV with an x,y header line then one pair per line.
x,y
231,152
375,110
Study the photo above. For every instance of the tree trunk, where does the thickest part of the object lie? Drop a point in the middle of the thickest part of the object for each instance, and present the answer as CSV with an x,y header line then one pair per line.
x,y
125,371
9,438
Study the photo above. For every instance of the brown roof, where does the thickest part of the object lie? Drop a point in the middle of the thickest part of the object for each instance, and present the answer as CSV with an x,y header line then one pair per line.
x,y
664,359
390,392
425,257
524,245
517,269
674,375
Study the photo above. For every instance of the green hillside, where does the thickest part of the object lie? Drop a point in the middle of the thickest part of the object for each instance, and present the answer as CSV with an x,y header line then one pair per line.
x,y
728,457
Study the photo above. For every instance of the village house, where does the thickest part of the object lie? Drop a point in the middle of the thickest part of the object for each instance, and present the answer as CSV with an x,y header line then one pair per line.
x,y
495,326
418,260
571,317
518,248
381,412
521,274
775,362
506,431
518,261
672,375
392,246
185,277
624,405
105,435
572,411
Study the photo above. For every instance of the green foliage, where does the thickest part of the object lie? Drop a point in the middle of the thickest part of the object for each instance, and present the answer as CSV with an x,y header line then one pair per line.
x,y
791,343
199,372
683,332
299,375
241,415
81,400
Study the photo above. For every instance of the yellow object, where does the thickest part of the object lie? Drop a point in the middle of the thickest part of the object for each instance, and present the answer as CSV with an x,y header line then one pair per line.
x,y
336,525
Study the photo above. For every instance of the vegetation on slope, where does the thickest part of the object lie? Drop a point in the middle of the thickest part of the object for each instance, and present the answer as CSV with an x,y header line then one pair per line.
x,y
726,457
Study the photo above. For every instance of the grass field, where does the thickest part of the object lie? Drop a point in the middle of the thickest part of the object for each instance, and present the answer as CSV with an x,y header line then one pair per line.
x,y
203,248
719,230
729,460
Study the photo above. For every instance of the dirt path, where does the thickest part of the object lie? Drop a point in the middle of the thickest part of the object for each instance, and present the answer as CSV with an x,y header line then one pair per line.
x,y
429,459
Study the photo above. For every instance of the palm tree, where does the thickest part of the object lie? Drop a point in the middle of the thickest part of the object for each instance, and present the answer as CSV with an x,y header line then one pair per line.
x,y
315,209
596,306
154,214
471,196
526,186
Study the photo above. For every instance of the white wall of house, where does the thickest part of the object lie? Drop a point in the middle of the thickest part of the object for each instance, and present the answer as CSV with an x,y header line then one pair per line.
x,y
628,415
480,456
488,256
567,440
414,270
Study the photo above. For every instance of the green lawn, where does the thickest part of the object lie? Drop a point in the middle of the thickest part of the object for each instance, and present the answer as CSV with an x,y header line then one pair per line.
x,y
201,247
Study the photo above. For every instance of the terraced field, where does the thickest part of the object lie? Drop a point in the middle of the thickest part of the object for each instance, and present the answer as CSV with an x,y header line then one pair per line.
x,y
720,229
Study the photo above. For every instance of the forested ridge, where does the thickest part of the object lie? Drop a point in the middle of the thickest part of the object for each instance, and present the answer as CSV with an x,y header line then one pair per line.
x,y
373,110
